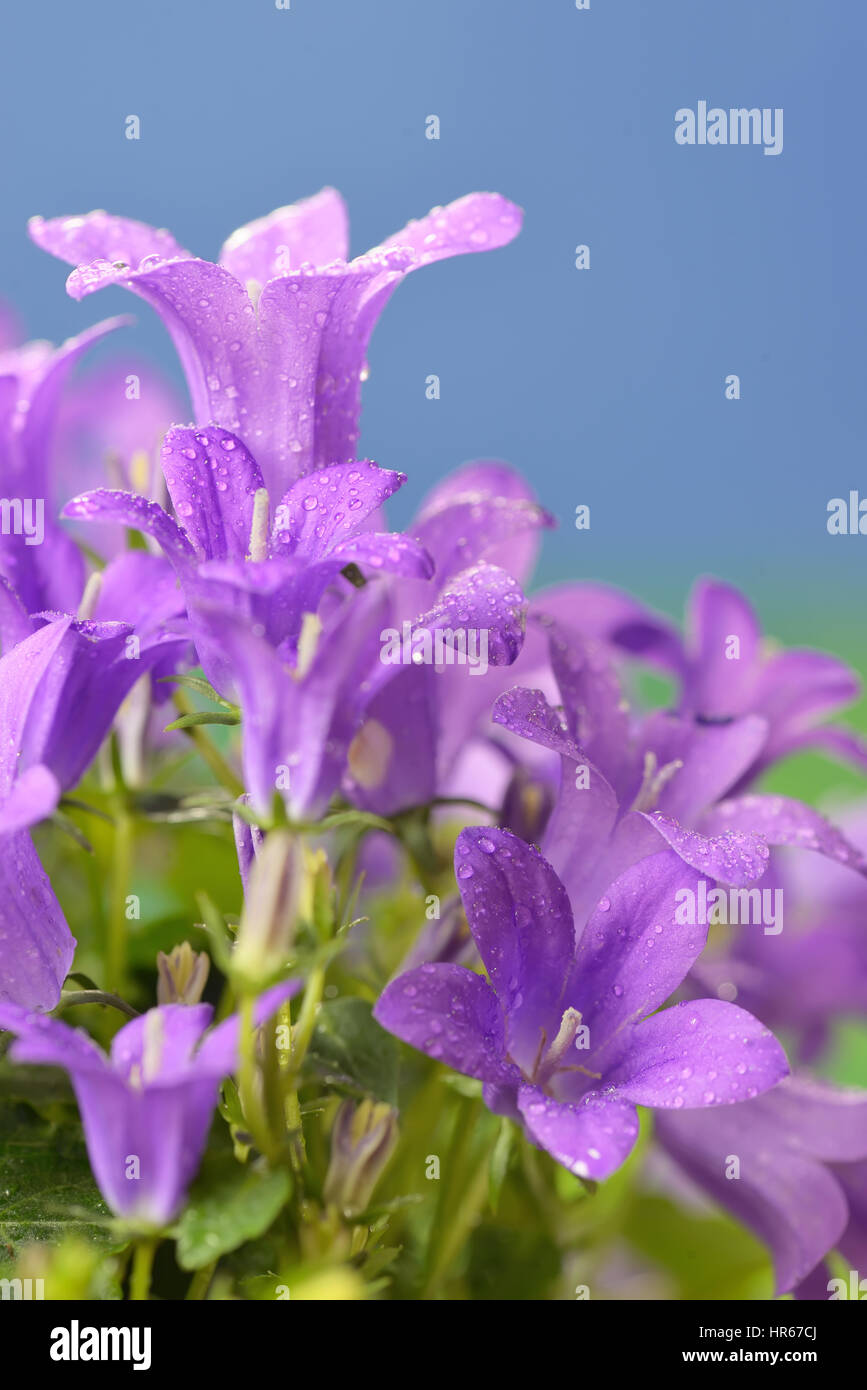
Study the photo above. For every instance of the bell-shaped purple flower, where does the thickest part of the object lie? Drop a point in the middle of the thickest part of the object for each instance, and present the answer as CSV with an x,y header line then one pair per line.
x,y
147,1107
565,1035
273,338
725,672
788,1164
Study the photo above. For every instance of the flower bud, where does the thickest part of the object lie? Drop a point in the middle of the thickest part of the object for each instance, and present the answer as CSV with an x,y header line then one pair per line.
x,y
362,1142
182,975
273,902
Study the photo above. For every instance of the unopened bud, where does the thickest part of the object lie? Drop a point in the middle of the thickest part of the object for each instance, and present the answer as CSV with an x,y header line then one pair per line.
x,y
362,1142
272,905
182,975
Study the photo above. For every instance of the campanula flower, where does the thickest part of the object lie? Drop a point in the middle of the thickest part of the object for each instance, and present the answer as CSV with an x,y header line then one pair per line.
x,y
273,338
147,1107
800,1150
725,669
564,1033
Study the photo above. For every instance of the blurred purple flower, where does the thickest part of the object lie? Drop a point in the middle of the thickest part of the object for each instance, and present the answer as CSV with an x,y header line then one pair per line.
x,y
44,567
799,1149
725,671
625,786
482,527
60,688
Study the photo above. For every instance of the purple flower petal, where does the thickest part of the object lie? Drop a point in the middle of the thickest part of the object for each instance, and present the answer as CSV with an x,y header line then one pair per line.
x,y
599,611
736,856
218,1053
485,600
49,1042
633,952
520,917
296,729
696,1054
212,479
323,509
784,1194
797,688
713,759
392,758
528,714
128,509
380,552
783,821
159,1044
483,511
477,222
101,236
591,1138
313,231
33,797
721,684
452,1015
36,945
596,711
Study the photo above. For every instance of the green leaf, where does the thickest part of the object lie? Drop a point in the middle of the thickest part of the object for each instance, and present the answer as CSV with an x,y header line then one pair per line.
x,y
46,1188
350,1050
201,687
199,684
228,1206
189,721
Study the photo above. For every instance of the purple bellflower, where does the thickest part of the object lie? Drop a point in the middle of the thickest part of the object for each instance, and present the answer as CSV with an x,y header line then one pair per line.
x,y
230,553
625,790
38,560
481,528
725,672
815,972
147,1107
340,715
800,1150
273,338
564,1033
60,688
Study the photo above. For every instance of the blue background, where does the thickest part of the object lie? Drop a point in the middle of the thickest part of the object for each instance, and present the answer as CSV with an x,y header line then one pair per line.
x,y
605,386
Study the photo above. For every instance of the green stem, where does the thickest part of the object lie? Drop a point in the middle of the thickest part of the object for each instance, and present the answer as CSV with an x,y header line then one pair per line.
x,y
201,1281
248,1088
142,1268
303,1030
115,955
207,750
96,996
462,1195
300,1036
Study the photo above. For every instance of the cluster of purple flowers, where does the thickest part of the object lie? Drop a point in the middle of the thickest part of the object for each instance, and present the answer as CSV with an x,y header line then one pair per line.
x,y
614,837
